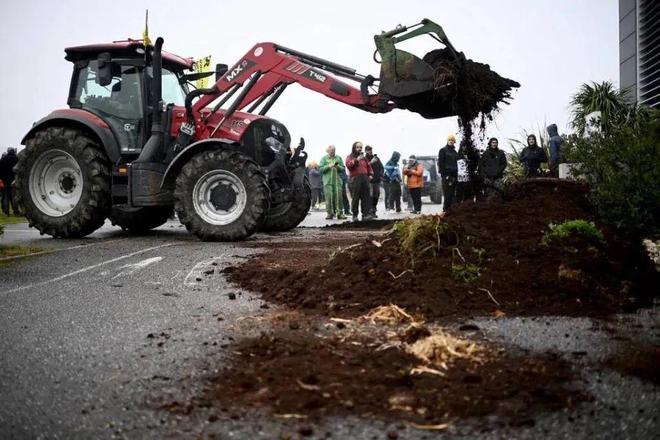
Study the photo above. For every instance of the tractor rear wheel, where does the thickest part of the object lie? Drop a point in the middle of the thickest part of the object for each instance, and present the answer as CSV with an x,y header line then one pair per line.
x,y
288,215
221,196
142,219
63,183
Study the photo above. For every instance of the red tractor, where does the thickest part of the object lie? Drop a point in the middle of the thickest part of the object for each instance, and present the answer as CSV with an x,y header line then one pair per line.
x,y
136,143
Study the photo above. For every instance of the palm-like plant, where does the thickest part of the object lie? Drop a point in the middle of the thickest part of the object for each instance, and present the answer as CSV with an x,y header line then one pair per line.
x,y
597,97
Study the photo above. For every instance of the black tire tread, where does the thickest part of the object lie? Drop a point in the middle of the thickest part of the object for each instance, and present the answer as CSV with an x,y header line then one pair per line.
x,y
255,185
94,205
294,215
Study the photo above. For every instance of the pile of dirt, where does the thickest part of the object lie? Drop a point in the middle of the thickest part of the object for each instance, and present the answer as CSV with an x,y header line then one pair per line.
x,y
302,376
487,259
464,88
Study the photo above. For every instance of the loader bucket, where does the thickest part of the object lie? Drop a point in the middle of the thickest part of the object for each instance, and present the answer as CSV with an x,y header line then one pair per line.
x,y
413,83
416,86
443,83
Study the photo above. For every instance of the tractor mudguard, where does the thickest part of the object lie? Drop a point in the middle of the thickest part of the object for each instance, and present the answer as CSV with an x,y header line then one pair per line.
x,y
80,119
185,155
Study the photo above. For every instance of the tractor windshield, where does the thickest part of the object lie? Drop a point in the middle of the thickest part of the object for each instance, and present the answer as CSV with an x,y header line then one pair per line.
x,y
173,90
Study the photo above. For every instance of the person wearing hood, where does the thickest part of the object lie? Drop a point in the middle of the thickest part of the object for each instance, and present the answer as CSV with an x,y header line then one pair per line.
x,y
359,176
393,182
415,172
532,157
330,168
7,163
491,167
376,177
448,169
554,145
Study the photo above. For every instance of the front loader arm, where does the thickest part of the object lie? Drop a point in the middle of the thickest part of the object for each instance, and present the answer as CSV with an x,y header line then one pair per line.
x,y
267,68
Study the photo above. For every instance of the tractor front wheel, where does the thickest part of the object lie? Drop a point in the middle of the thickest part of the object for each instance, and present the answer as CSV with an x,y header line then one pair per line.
x,y
288,215
221,196
63,183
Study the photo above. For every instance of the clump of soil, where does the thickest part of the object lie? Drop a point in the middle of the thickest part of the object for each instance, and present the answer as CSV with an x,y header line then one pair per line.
x,y
463,87
367,224
641,362
308,377
489,259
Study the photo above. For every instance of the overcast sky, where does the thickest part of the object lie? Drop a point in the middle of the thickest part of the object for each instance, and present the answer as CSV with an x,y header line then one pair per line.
x,y
549,46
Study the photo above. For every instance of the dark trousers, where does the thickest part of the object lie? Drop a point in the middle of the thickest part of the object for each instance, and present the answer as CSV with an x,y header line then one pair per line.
x,y
316,196
464,192
386,189
416,196
375,195
394,196
8,200
448,193
361,195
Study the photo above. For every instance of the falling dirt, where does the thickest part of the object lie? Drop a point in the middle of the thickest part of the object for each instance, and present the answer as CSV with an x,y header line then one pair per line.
x,y
464,88
490,261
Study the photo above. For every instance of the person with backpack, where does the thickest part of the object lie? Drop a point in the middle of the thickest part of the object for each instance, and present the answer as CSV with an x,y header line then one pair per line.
x,y
393,177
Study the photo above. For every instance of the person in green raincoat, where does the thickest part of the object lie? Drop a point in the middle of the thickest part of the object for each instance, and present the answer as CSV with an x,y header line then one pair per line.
x,y
330,167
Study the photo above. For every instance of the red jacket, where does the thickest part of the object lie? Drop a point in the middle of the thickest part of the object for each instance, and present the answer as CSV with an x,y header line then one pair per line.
x,y
358,167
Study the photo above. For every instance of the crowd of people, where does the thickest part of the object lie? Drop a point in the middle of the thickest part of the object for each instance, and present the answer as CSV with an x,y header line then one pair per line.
x,y
7,162
465,174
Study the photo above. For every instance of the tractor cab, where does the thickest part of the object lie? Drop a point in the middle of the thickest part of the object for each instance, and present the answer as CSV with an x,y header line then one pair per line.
x,y
113,82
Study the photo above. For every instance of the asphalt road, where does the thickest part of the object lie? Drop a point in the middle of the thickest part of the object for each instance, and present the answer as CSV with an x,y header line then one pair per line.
x,y
96,334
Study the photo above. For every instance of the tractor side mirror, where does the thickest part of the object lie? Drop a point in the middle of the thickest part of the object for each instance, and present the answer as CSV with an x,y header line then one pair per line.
x,y
104,73
220,69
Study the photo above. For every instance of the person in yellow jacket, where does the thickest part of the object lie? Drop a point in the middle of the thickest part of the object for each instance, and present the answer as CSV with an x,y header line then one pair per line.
x,y
331,166
415,181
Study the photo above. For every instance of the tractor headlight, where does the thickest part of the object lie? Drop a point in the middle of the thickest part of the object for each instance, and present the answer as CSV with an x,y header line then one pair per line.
x,y
274,144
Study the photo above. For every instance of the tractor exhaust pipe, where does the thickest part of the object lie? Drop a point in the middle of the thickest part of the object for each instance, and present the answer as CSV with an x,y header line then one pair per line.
x,y
155,142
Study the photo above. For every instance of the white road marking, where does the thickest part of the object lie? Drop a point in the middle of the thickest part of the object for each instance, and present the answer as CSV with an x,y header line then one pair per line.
x,y
52,251
196,272
86,269
130,269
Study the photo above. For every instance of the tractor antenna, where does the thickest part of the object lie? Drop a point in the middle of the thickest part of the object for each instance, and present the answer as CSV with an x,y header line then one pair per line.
x,y
145,34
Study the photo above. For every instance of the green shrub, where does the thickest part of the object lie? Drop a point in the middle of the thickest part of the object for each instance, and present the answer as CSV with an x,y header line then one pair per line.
x,y
622,169
581,228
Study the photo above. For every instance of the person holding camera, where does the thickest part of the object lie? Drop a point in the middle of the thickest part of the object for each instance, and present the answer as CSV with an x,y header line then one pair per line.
x,y
448,169
415,172
360,173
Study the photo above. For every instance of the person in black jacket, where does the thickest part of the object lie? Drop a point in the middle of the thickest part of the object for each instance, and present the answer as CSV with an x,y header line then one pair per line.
x,y
448,169
532,157
491,167
7,163
376,177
